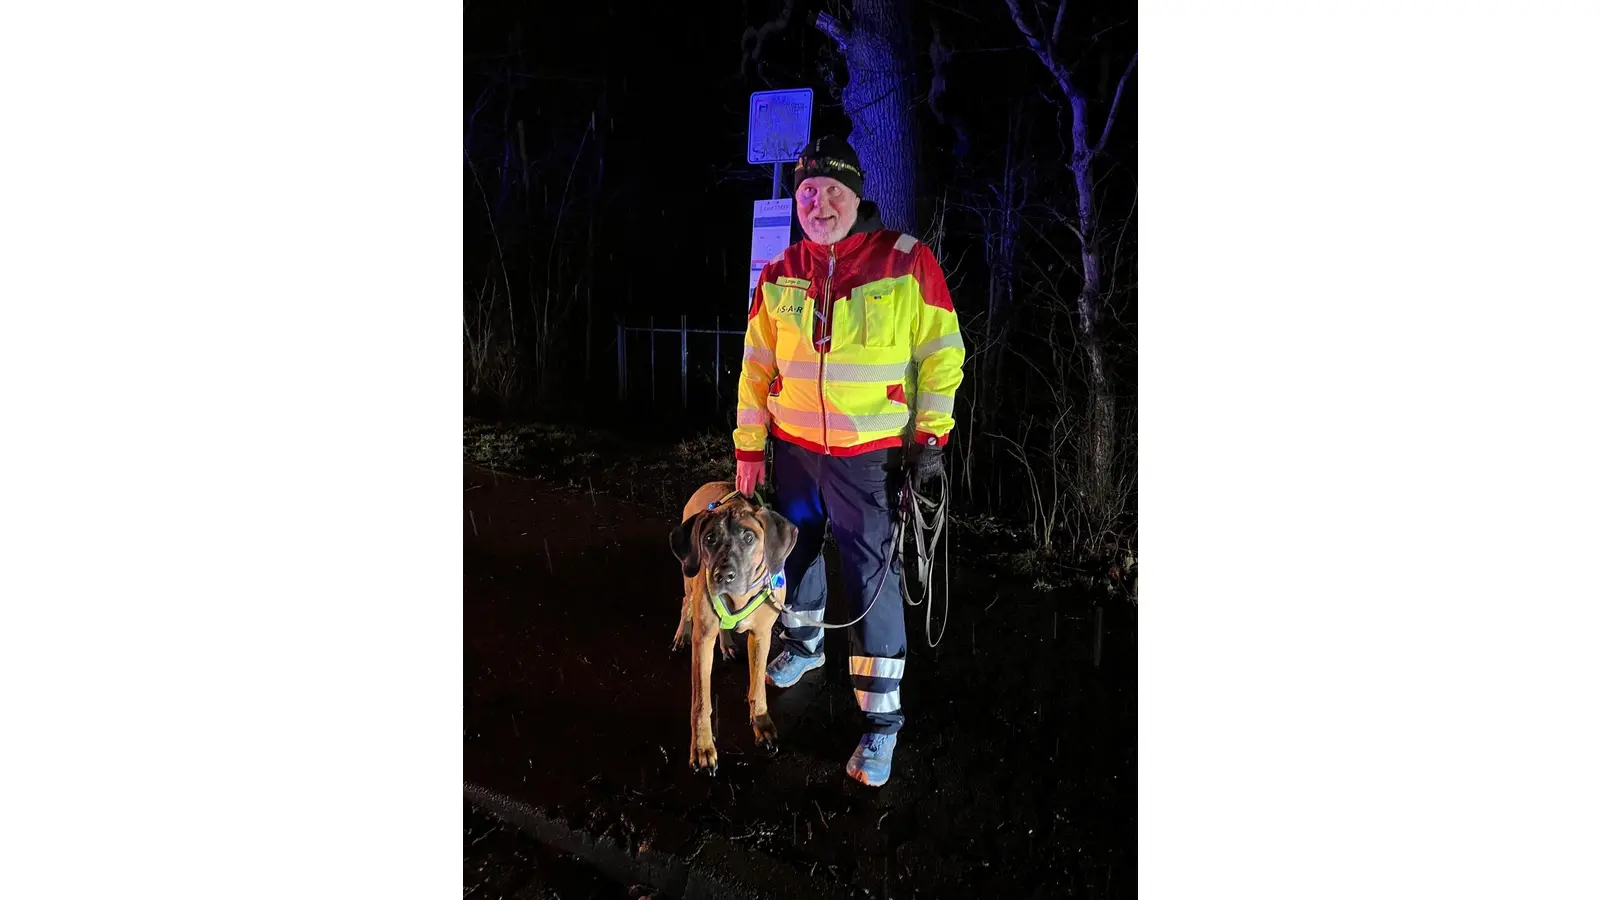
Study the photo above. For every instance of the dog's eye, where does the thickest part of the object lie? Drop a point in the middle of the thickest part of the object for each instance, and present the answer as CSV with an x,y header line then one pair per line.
x,y
749,538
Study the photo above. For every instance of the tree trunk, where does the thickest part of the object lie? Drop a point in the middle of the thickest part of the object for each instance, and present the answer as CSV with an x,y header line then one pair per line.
x,y
878,99
1102,418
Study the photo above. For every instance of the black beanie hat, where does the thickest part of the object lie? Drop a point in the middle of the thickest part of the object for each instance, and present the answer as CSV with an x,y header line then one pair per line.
x,y
830,156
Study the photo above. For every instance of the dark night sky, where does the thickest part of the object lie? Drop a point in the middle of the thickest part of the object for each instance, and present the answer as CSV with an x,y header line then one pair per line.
x,y
677,193
672,111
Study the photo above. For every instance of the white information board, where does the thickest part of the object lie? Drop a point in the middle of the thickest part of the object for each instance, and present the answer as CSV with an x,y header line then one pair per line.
x,y
769,234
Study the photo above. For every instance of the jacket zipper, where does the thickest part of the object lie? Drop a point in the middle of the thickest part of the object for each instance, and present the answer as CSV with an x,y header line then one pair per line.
x,y
827,337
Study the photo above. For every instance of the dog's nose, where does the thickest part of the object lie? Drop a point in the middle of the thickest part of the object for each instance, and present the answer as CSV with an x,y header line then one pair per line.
x,y
725,576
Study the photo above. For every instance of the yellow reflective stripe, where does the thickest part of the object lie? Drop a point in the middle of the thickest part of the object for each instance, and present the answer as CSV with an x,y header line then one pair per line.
x,y
927,401
753,417
845,373
877,666
760,355
881,422
928,348
787,416
866,373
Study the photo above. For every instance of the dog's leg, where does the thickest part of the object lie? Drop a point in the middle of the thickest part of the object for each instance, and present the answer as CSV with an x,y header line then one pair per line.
x,y
685,627
725,642
702,748
766,732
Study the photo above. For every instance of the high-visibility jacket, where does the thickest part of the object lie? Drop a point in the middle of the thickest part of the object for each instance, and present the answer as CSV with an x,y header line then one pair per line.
x,y
874,364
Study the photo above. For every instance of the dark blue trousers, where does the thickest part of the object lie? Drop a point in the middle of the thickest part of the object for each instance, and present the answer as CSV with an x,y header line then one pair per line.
x,y
858,496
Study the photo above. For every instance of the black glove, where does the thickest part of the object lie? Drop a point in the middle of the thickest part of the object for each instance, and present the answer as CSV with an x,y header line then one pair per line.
x,y
925,465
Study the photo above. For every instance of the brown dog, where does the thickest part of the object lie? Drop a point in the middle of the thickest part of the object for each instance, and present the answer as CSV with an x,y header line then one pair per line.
x,y
732,548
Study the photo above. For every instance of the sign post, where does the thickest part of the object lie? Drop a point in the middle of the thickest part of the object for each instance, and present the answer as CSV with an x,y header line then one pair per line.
x,y
780,127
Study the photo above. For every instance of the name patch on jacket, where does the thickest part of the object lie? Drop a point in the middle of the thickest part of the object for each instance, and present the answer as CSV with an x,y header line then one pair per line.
x,y
786,281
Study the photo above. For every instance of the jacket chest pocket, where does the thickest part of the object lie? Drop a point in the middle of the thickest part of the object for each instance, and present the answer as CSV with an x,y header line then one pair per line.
x,y
879,314
791,305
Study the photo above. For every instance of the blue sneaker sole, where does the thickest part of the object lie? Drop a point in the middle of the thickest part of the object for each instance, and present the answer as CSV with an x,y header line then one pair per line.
x,y
798,675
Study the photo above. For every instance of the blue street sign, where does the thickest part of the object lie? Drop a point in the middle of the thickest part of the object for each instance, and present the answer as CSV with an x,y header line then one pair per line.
x,y
780,126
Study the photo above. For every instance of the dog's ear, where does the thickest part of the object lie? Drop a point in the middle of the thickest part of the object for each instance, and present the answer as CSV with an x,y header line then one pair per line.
x,y
685,542
780,539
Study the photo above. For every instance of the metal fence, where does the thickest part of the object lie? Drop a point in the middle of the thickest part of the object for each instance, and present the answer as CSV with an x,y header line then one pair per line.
x,y
719,336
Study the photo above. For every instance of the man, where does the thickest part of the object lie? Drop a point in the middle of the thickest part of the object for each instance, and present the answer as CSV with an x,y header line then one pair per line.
x,y
852,350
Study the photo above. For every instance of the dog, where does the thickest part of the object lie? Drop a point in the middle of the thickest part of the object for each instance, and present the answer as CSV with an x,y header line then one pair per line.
x,y
730,548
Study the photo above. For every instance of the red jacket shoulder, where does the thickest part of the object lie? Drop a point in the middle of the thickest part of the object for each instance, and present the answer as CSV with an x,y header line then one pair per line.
x,y
788,264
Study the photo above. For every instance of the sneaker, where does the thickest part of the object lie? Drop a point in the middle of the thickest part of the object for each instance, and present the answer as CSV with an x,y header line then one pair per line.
x,y
870,763
786,668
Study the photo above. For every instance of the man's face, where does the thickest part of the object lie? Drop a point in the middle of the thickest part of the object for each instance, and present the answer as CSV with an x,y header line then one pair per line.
x,y
827,209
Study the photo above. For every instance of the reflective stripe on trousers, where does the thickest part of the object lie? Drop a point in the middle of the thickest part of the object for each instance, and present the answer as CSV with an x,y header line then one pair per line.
x,y
853,495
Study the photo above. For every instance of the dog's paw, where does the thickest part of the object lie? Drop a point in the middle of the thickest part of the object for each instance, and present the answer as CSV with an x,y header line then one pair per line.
x,y
703,755
727,649
766,732
680,638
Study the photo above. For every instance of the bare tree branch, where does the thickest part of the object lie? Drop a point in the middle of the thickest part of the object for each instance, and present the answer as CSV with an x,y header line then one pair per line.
x,y
940,54
834,28
1063,219
489,211
1055,31
1116,258
1045,52
1115,100
561,210
1065,261
1027,31
750,42
1098,34
741,172
956,11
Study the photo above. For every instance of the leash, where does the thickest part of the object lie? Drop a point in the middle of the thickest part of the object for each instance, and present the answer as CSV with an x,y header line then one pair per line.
x,y
899,530
929,517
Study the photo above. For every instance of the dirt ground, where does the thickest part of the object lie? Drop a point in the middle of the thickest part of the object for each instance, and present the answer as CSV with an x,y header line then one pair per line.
x,y
498,862
1014,776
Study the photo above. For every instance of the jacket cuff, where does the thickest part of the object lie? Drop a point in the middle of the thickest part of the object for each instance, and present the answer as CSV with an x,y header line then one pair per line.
x,y
928,439
750,455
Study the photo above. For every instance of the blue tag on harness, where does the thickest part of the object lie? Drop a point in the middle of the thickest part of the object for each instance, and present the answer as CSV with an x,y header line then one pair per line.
x,y
777,580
